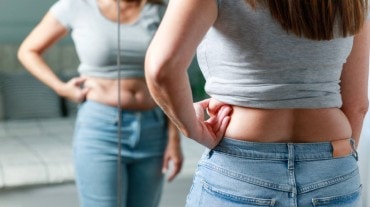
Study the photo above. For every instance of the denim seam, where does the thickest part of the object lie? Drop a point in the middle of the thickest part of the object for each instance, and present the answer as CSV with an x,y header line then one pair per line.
x,y
238,198
291,173
250,155
138,117
317,156
248,179
326,200
328,182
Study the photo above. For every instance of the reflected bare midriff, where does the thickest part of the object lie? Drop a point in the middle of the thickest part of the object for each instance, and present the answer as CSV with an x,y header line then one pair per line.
x,y
132,93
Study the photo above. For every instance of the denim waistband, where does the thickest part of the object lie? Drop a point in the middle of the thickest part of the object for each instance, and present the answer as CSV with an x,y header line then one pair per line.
x,y
278,151
95,106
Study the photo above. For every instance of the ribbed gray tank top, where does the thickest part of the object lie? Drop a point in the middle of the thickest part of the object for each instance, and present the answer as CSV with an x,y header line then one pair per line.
x,y
248,60
95,37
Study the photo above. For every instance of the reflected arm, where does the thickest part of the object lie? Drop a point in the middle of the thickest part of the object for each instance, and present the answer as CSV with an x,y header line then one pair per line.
x,y
41,38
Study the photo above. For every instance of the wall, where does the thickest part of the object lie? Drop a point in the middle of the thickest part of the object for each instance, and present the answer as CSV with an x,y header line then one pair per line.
x,y
18,17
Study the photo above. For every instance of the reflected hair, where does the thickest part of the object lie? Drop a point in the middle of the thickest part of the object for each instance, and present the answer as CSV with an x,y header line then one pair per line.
x,y
317,19
148,1
156,1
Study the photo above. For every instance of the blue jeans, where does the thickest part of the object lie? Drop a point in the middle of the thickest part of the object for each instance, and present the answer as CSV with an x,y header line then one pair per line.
x,y
144,138
248,174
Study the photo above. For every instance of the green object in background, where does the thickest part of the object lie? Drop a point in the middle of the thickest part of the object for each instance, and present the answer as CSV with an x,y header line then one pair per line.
x,y
197,81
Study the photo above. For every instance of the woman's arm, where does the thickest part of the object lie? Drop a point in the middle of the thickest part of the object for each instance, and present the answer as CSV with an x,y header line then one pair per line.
x,y
354,81
42,37
168,58
173,157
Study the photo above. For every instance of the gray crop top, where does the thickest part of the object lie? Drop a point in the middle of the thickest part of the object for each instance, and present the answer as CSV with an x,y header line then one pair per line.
x,y
248,60
95,37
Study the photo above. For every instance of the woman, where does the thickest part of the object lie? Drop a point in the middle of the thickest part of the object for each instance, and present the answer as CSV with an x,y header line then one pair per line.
x,y
102,92
288,81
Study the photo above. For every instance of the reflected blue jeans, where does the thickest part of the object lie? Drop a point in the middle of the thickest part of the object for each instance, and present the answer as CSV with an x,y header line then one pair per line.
x,y
248,174
144,138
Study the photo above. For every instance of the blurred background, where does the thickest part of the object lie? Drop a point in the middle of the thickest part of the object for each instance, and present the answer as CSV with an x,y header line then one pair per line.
x,y
36,125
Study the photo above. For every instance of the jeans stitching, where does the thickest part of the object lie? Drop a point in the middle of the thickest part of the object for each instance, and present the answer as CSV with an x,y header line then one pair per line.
x,y
244,199
251,155
327,200
247,179
328,182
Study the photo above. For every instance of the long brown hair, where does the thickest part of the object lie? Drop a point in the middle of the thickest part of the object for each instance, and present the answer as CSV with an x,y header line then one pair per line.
x,y
156,1
316,19
148,1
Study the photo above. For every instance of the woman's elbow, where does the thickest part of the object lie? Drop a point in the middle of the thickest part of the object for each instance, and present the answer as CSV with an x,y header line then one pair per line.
x,y
153,70
21,53
25,53
157,69
363,108
359,109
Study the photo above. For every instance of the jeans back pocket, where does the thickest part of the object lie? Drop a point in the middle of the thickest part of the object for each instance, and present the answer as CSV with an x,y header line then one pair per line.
x,y
352,199
212,196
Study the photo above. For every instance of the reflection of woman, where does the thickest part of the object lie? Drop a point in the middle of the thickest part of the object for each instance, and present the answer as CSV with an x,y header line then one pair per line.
x,y
294,74
144,127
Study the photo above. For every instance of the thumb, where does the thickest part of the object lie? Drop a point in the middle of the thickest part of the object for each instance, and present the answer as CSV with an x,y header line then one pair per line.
x,y
166,161
78,81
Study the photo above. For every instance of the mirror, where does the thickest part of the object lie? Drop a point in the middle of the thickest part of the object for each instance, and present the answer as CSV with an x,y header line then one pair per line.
x,y
36,125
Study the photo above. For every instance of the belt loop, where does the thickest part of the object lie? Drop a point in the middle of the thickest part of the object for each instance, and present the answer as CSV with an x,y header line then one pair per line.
x,y
291,156
353,146
158,114
210,153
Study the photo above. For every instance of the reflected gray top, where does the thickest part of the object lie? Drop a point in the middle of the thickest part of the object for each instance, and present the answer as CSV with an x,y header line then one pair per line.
x,y
95,38
249,60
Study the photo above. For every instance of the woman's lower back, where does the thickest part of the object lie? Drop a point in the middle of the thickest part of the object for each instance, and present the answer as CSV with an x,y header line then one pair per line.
x,y
288,125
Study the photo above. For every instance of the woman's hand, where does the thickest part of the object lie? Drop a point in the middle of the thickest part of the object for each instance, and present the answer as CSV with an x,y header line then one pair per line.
x,y
173,159
73,90
211,130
